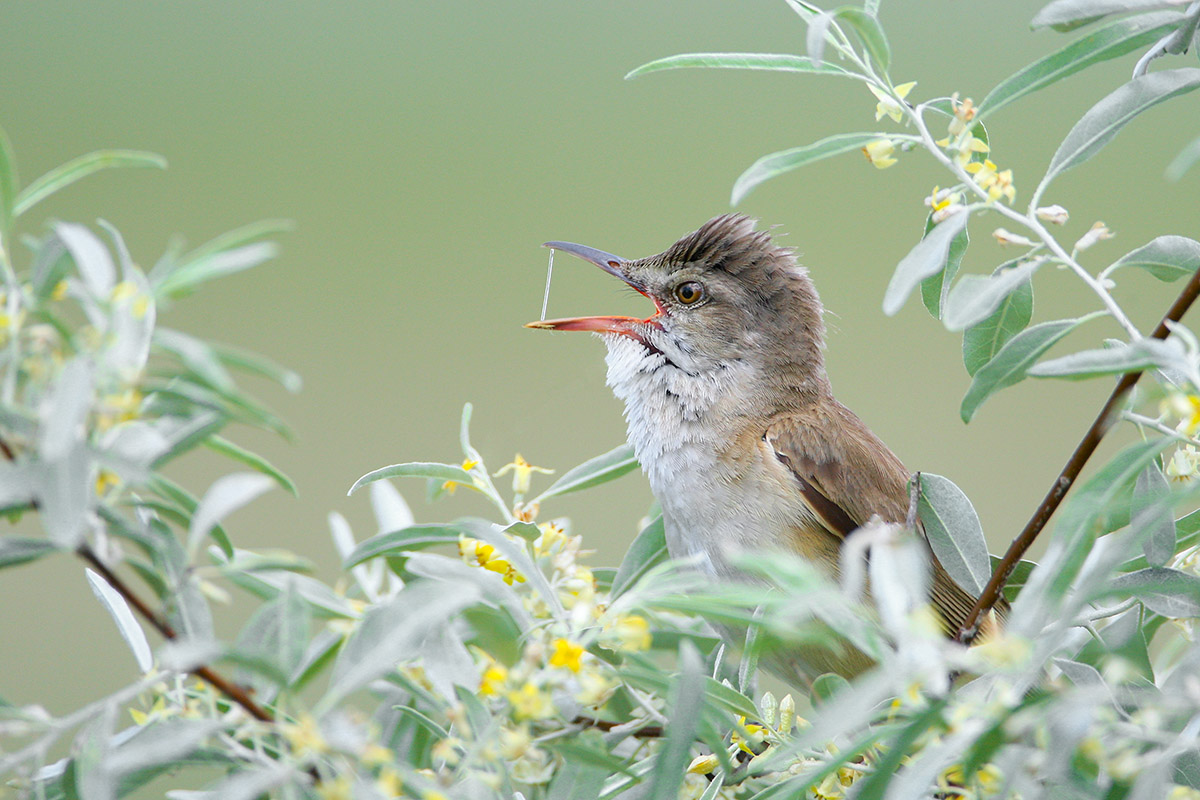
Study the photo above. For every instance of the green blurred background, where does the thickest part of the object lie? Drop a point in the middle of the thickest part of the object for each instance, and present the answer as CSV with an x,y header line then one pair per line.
x,y
425,150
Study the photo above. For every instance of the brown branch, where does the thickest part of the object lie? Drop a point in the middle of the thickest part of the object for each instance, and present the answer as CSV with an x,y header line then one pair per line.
x,y
647,732
226,687
1083,451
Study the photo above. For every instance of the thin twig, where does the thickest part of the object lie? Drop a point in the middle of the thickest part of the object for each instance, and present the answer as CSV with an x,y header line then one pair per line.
x,y
1083,451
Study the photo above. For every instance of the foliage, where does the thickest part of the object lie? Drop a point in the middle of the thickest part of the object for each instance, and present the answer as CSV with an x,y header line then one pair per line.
x,y
485,658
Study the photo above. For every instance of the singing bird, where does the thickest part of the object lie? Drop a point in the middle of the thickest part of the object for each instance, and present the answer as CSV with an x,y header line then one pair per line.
x,y
732,415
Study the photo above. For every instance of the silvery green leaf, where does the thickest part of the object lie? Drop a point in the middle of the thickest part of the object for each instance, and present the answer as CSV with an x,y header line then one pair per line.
x,y
220,444
927,258
389,633
1069,12
1135,357
130,630
8,184
251,783
76,169
1165,591
1082,675
1011,364
1105,119
391,511
1184,160
186,277
686,703
184,655
20,550
269,583
954,533
131,325
982,341
131,448
776,62
815,39
593,472
196,355
1166,258
447,662
189,611
517,556
91,258
870,32
1151,516
255,364
1111,41
936,287
343,540
226,495
453,572
774,164
648,550
16,484
975,297
92,779
64,411
65,493
162,744
417,469
899,573
404,541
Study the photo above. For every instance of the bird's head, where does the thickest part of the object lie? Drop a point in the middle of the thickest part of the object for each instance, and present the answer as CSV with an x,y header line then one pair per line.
x,y
725,292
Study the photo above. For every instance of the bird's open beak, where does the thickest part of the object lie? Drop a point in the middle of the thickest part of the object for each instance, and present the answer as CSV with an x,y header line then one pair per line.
x,y
613,265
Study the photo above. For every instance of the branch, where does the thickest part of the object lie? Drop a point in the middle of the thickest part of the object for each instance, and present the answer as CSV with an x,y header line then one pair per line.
x,y
1083,451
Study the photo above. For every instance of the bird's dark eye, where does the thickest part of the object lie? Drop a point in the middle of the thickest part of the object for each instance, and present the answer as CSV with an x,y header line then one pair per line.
x,y
689,292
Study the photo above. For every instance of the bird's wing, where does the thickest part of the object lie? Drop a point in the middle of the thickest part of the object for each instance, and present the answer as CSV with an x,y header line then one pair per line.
x,y
847,474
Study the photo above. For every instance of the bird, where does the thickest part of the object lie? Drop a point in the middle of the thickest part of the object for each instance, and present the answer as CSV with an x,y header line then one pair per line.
x,y
733,419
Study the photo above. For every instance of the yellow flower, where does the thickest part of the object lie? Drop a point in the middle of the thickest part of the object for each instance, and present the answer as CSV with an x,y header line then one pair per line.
x,y
530,702
703,765
376,755
594,687
522,470
389,783
106,480
304,736
567,654
493,679
1098,232
449,486
1183,465
829,789
879,153
60,291
964,113
340,788
754,735
632,633
890,105
482,554
997,184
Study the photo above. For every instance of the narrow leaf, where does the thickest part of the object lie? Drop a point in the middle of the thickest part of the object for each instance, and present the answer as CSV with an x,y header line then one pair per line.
x,y
20,550
593,472
975,298
1111,41
687,702
414,537
226,495
776,62
91,258
1166,258
1169,592
647,550
954,533
927,258
1134,357
775,164
870,32
1151,516
1069,12
935,288
79,168
1185,160
131,632
441,472
982,341
8,188
1014,360
227,448
1105,119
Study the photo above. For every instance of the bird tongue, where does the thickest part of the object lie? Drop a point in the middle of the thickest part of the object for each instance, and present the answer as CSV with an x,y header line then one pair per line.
x,y
594,324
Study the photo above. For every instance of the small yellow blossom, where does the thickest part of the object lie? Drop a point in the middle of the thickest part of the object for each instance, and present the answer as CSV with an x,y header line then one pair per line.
x,y
1183,793
964,114
942,203
595,687
304,736
482,554
376,755
889,105
60,291
389,784
753,735
567,654
1184,464
449,486
447,750
123,291
514,742
530,702
632,633
997,183
493,680
879,153
106,480
703,765
553,538
339,788
830,788
522,471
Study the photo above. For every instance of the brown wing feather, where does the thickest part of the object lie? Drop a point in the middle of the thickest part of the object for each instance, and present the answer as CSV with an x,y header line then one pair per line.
x,y
847,474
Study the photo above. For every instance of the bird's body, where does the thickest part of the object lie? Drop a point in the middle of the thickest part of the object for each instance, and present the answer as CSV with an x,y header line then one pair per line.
x,y
733,418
